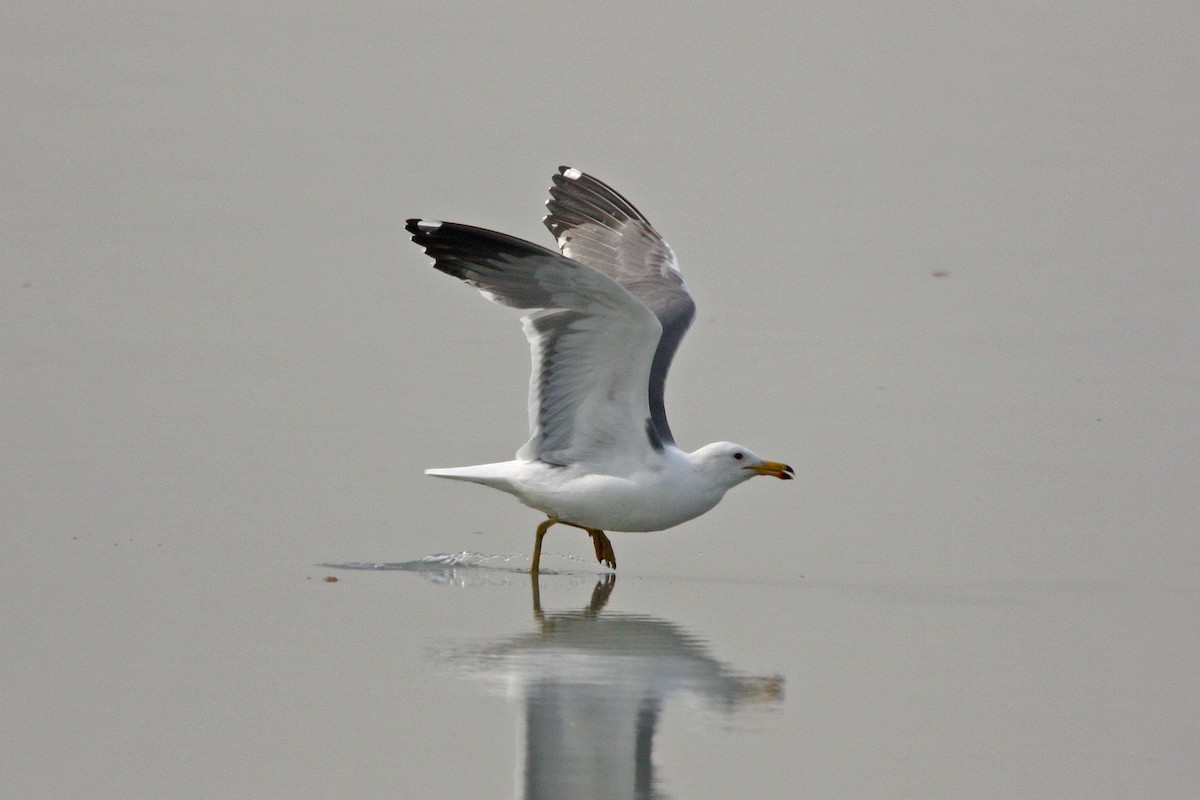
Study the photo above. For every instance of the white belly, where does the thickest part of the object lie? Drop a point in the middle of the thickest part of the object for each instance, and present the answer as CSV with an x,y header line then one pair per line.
x,y
652,496
647,502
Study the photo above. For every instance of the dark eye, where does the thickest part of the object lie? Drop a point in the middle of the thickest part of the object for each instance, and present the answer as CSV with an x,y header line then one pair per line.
x,y
738,456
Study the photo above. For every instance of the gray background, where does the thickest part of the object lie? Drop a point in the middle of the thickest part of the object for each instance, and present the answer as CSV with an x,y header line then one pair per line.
x,y
945,258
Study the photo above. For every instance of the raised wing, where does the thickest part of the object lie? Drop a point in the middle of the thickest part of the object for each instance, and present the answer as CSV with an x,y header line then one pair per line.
x,y
592,343
597,226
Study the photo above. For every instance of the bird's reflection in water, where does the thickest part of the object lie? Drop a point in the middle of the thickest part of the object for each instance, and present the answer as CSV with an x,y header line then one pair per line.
x,y
593,684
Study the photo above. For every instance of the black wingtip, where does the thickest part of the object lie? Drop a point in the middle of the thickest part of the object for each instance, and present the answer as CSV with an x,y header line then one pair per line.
x,y
421,227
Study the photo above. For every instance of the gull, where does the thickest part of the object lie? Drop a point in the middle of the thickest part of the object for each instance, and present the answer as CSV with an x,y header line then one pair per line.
x,y
604,318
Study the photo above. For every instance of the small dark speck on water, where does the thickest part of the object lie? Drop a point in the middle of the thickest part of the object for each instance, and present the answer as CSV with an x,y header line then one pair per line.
x,y
939,273
330,579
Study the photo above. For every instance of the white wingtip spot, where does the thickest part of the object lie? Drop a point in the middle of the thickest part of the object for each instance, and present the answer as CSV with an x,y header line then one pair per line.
x,y
428,224
572,174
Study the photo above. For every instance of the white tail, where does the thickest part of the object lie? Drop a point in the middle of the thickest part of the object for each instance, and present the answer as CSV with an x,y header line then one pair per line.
x,y
498,476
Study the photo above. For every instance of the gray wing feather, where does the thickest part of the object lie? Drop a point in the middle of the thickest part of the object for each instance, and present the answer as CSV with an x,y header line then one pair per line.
x,y
584,404
597,226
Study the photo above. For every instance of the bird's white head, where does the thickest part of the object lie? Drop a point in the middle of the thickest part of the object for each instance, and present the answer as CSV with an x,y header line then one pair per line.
x,y
730,464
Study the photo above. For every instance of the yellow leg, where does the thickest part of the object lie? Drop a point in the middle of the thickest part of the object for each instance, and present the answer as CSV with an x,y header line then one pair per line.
x,y
604,549
535,585
537,544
